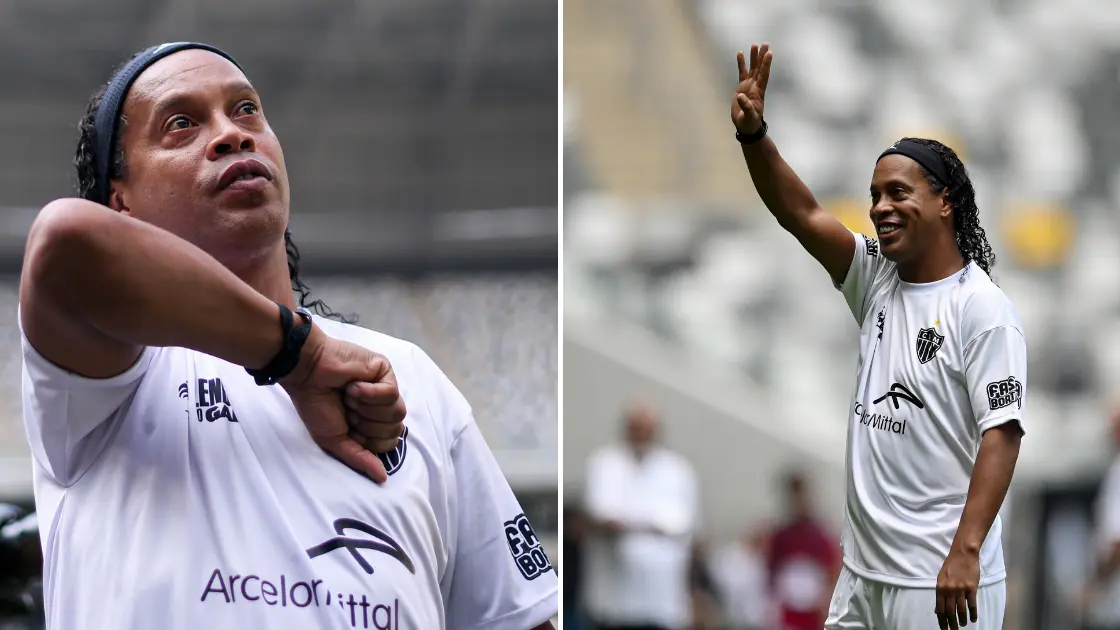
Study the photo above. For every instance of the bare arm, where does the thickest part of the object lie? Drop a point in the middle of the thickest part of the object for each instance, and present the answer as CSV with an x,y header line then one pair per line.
x,y
995,463
783,192
959,579
545,626
97,286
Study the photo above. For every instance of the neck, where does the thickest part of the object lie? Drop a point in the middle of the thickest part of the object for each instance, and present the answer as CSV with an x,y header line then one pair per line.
x,y
938,262
268,274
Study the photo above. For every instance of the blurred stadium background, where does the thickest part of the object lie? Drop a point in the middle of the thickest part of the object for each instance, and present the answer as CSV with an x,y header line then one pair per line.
x,y
681,290
421,143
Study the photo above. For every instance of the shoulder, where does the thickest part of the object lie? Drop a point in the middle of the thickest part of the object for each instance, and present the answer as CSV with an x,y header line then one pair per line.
x,y
984,306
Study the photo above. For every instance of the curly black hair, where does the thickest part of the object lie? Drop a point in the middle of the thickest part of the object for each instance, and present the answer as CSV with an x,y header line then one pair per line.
x,y
84,165
971,239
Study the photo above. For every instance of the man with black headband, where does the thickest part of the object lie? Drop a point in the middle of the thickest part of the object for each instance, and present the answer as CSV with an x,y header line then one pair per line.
x,y
937,411
205,457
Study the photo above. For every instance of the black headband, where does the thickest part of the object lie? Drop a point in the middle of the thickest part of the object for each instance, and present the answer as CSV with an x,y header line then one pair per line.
x,y
109,111
923,155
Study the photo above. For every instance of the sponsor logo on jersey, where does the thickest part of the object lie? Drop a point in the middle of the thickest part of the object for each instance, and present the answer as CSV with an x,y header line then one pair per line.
x,y
898,392
929,342
880,321
394,459
872,246
247,590
1003,393
526,548
211,402
879,421
384,544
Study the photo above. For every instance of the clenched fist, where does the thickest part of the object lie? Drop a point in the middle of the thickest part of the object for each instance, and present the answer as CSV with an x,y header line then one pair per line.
x,y
347,397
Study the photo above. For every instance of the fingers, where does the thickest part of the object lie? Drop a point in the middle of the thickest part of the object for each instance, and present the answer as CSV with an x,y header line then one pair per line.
x,y
973,611
378,437
380,393
962,610
743,72
354,455
385,410
754,62
767,58
380,370
942,611
373,445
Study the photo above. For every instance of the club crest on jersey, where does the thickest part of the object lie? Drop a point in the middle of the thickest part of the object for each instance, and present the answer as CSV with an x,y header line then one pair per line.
x,y
394,459
929,342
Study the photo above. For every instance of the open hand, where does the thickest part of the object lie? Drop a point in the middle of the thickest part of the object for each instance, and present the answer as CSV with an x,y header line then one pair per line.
x,y
956,590
746,106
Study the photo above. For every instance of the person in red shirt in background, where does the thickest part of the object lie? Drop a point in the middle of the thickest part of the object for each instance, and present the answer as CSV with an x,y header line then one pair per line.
x,y
803,563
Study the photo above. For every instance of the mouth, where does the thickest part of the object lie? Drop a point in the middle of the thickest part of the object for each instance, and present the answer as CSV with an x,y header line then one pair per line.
x,y
247,174
887,228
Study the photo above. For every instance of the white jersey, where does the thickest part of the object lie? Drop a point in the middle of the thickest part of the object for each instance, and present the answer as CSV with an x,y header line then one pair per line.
x,y
181,495
940,363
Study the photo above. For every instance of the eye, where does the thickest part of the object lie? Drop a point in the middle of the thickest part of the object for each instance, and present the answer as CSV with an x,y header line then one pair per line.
x,y
178,122
248,108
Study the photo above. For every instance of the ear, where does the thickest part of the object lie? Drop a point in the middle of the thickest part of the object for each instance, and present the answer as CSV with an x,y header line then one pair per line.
x,y
946,205
117,201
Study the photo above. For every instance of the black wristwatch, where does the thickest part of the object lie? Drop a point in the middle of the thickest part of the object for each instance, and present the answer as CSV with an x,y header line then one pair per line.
x,y
286,360
754,137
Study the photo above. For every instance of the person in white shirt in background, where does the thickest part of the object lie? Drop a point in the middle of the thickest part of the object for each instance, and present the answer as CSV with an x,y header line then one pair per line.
x,y
643,503
1102,596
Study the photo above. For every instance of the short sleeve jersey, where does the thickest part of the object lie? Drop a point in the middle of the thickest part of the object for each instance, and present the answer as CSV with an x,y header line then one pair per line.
x,y
181,495
940,363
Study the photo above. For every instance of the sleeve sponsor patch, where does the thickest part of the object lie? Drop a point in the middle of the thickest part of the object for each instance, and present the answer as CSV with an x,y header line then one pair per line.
x,y
526,548
1005,393
872,246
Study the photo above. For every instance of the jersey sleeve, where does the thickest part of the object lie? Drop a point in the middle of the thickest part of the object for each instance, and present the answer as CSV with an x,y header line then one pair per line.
x,y
865,275
499,574
68,417
995,365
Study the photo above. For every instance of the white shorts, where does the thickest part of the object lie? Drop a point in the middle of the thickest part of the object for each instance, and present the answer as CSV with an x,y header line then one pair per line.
x,y
859,604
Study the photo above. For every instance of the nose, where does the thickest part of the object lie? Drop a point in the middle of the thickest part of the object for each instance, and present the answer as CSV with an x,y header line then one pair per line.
x,y
229,138
882,207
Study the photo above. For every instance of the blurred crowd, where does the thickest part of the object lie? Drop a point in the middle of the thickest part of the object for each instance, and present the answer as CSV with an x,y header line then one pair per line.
x,y
636,558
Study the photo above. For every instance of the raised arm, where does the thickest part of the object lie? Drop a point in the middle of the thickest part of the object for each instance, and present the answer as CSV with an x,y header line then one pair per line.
x,y
783,192
98,286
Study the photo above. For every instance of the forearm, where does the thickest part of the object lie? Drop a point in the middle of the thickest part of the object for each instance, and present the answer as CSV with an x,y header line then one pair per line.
x,y
783,192
139,284
991,477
